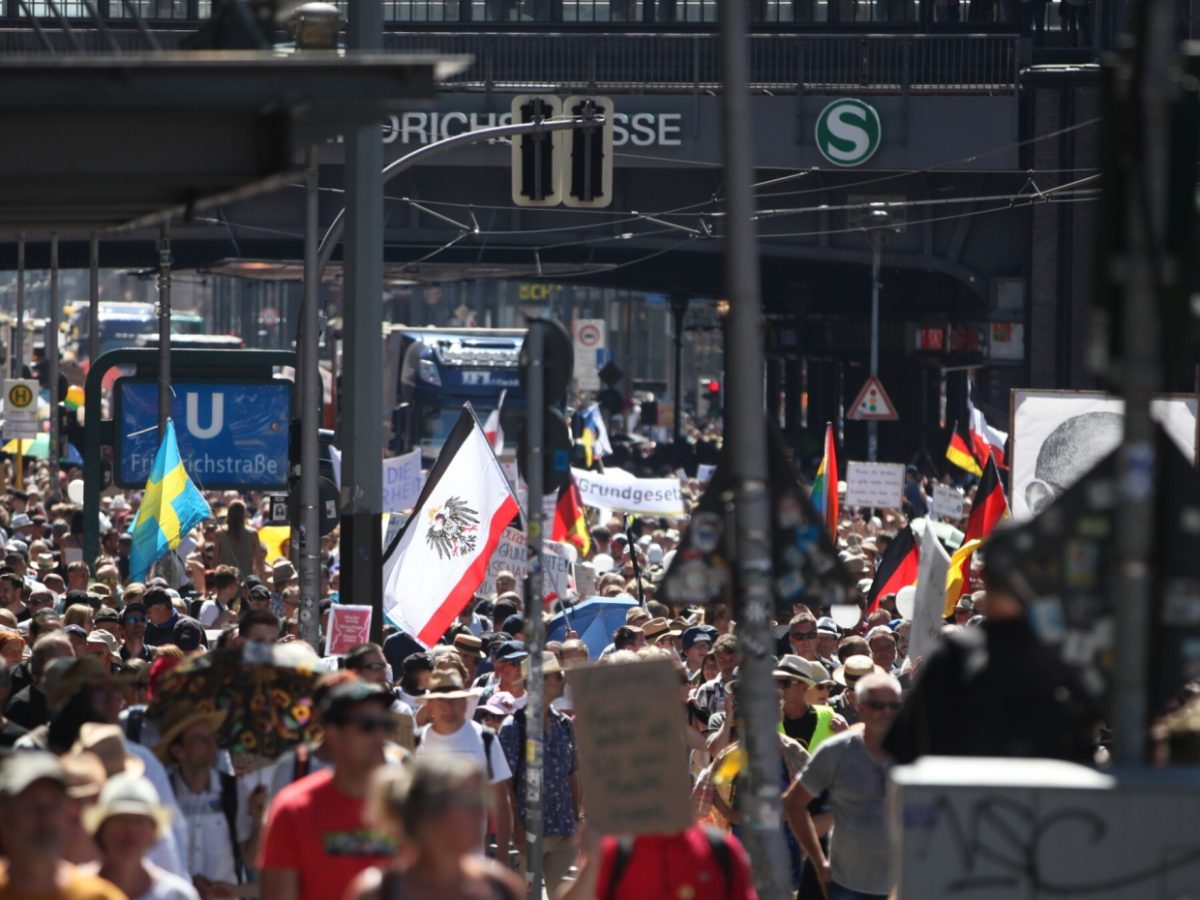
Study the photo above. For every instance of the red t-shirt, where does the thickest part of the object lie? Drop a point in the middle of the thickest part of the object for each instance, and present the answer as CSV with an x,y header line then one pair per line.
x,y
318,832
677,867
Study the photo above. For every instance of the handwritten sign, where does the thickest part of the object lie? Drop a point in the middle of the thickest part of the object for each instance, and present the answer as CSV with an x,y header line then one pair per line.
x,y
558,563
876,485
633,766
510,554
402,481
947,502
585,580
348,626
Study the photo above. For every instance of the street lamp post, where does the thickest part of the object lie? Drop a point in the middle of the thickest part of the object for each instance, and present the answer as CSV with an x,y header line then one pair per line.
x,y
679,307
876,254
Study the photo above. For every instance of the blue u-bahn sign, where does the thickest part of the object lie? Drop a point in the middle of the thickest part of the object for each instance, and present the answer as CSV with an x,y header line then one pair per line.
x,y
232,434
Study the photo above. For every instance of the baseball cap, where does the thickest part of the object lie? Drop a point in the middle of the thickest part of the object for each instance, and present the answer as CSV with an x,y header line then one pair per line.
x,y
512,651
188,635
698,633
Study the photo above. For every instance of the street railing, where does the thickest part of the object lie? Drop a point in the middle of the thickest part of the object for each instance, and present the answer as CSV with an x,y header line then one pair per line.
x,y
689,62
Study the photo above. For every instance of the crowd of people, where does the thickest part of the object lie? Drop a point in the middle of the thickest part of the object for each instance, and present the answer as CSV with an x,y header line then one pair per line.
x,y
415,784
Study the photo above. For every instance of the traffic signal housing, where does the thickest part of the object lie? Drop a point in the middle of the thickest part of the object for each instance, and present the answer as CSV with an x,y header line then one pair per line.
x,y
537,157
589,151
710,396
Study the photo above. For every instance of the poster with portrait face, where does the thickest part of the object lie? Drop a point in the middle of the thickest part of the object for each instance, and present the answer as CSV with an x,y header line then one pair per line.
x,y
1058,436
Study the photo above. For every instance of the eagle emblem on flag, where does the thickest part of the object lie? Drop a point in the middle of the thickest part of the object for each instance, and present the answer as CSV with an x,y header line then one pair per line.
x,y
453,529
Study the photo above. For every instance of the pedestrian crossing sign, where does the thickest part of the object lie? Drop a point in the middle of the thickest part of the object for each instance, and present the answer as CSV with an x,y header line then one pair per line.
x,y
873,403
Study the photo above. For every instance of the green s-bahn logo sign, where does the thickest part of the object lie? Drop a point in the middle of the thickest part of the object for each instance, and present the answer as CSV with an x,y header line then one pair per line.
x,y
848,132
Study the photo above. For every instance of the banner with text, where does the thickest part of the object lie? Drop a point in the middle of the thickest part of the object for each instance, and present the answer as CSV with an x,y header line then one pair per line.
x,y
348,627
617,489
878,485
402,481
510,555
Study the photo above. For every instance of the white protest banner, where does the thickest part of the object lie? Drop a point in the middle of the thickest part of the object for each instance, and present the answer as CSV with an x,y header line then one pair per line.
x,y
348,627
617,489
930,600
947,502
585,580
630,763
878,485
510,555
402,481
558,563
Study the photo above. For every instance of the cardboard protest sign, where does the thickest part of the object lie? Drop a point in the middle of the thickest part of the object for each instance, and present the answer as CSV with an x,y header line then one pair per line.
x,y
348,625
874,485
633,766
558,561
402,481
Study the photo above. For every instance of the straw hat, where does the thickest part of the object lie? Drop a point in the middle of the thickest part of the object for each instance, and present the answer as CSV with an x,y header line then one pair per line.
x,y
179,718
107,742
445,684
127,795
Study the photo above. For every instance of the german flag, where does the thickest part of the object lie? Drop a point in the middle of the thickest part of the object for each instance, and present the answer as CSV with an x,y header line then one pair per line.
x,y
897,568
988,509
960,452
570,525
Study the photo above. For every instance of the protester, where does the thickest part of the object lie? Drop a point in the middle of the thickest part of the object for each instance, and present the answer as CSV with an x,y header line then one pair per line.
x,y
435,811
126,822
853,767
317,838
450,732
562,790
33,834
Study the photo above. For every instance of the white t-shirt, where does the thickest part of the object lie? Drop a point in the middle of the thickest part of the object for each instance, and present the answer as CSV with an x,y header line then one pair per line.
x,y
210,611
167,886
467,741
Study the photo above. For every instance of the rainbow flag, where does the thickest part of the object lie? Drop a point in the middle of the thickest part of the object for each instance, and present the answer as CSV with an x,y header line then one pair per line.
x,y
825,485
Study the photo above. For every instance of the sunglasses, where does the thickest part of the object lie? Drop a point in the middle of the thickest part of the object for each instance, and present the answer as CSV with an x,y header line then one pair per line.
x,y
823,687
135,620
374,667
371,724
784,683
880,705
803,635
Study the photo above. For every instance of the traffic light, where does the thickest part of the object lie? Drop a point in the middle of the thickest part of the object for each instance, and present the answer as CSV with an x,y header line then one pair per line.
x,y
589,167
710,396
536,160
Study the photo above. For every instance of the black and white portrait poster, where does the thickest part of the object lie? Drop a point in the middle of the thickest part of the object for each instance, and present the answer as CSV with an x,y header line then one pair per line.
x,y
1058,436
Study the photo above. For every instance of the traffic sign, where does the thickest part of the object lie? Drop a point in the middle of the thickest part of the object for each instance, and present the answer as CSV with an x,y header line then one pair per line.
x,y
20,408
848,132
873,403
589,353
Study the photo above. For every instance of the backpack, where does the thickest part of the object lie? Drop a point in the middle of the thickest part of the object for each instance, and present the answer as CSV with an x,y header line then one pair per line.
x,y
716,843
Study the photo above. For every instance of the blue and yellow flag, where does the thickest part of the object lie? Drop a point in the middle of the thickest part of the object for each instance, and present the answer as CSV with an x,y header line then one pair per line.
x,y
171,507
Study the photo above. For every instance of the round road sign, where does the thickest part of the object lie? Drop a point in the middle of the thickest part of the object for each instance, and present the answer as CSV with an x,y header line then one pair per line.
x,y
588,335
20,396
848,132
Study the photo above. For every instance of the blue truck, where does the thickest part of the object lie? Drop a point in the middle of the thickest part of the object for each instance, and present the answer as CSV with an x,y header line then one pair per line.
x,y
436,370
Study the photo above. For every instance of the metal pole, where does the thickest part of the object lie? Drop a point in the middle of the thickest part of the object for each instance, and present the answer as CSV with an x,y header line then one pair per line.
x,y
745,433
55,457
876,254
164,328
362,468
534,713
18,369
1148,177
94,299
679,306
309,378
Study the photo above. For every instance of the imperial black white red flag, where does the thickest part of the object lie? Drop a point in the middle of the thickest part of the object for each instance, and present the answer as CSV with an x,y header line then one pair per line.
x,y
434,565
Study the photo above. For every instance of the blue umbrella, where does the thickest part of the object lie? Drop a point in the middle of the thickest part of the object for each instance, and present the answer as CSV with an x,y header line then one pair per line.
x,y
595,620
